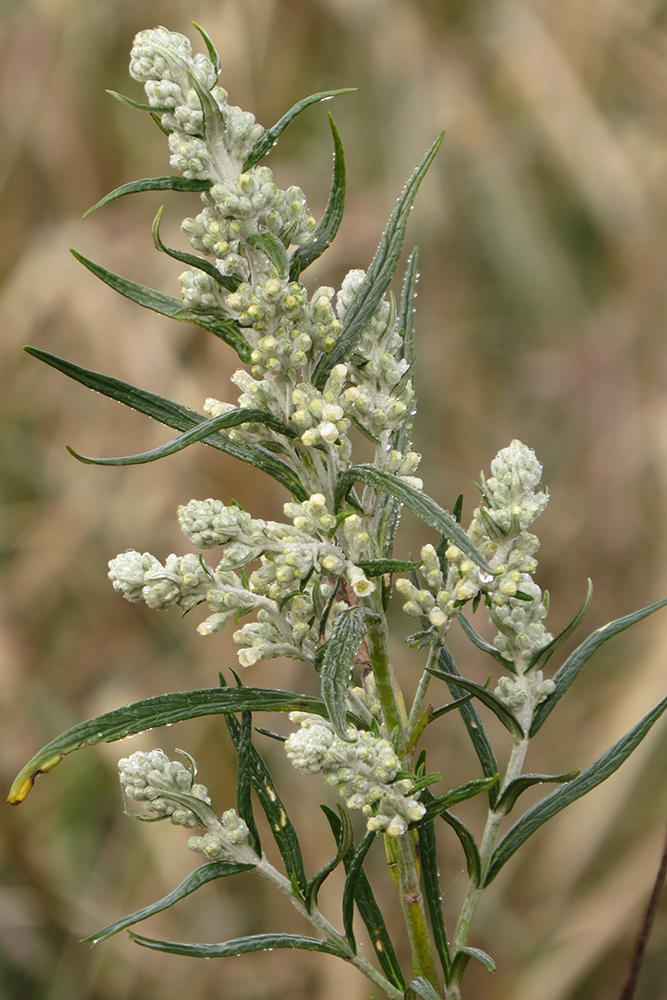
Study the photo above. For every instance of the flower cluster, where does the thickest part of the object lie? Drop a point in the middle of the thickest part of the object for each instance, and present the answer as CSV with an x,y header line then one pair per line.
x,y
362,769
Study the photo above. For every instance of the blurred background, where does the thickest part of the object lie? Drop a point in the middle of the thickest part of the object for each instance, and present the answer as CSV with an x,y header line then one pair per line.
x,y
542,312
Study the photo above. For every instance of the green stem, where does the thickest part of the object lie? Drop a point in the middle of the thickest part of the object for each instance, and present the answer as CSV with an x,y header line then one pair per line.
x,y
412,903
385,681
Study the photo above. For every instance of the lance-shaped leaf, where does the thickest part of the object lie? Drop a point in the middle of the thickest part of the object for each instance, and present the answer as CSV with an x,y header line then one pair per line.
x,y
272,248
446,709
423,506
227,282
590,778
428,856
570,670
437,806
507,800
240,946
199,877
420,987
266,142
283,832
244,781
499,709
463,956
482,644
207,427
406,310
151,184
346,635
468,844
323,236
130,103
354,870
369,911
379,567
543,655
167,305
173,415
163,710
473,722
344,845
212,51
367,297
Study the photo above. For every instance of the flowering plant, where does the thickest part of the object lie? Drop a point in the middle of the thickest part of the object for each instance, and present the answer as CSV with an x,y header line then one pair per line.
x,y
325,365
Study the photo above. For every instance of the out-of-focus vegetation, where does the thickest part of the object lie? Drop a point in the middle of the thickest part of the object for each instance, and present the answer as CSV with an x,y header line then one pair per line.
x,y
542,315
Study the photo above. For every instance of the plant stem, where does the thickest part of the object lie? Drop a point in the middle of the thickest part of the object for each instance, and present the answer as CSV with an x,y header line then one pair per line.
x,y
389,693
412,903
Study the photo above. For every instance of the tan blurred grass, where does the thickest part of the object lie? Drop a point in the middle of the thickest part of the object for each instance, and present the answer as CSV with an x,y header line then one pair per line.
x,y
541,316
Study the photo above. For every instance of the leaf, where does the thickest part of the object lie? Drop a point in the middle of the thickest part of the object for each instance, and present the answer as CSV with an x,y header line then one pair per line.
x,y
173,415
323,236
266,142
354,869
192,260
428,856
370,912
590,778
508,719
344,845
406,310
482,644
199,877
570,670
244,781
423,506
272,248
508,798
450,708
436,806
230,419
473,723
468,844
167,305
212,51
379,567
462,958
543,655
240,946
163,710
369,294
129,103
420,987
151,184
346,635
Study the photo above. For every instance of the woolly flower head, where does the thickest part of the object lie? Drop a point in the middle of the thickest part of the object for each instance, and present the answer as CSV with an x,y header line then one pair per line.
x,y
165,786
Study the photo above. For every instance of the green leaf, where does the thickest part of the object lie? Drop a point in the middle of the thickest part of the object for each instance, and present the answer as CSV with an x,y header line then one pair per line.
x,y
446,709
163,710
369,294
212,51
473,722
129,103
482,644
323,236
379,567
346,635
354,870
428,856
244,781
240,946
167,305
151,184
462,958
420,987
369,911
570,670
543,655
227,282
468,844
199,877
508,719
272,248
590,778
507,800
344,845
436,806
230,419
174,415
423,506
266,142
406,310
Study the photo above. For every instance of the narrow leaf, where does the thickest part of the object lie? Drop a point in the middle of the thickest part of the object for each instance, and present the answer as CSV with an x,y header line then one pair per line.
x,y
344,845
507,800
323,236
406,311
353,872
542,656
265,143
212,51
468,844
151,184
482,644
163,710
462,958
129,103
173,415
420,987
570,670
590,778
369,294
423,506
499,709
244,781
199,877
227,282
428,856
272,248
239,946
379,567
469,790
446,709
346,635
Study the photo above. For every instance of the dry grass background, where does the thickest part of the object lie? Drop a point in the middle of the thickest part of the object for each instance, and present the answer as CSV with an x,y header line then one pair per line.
x,y
542,314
